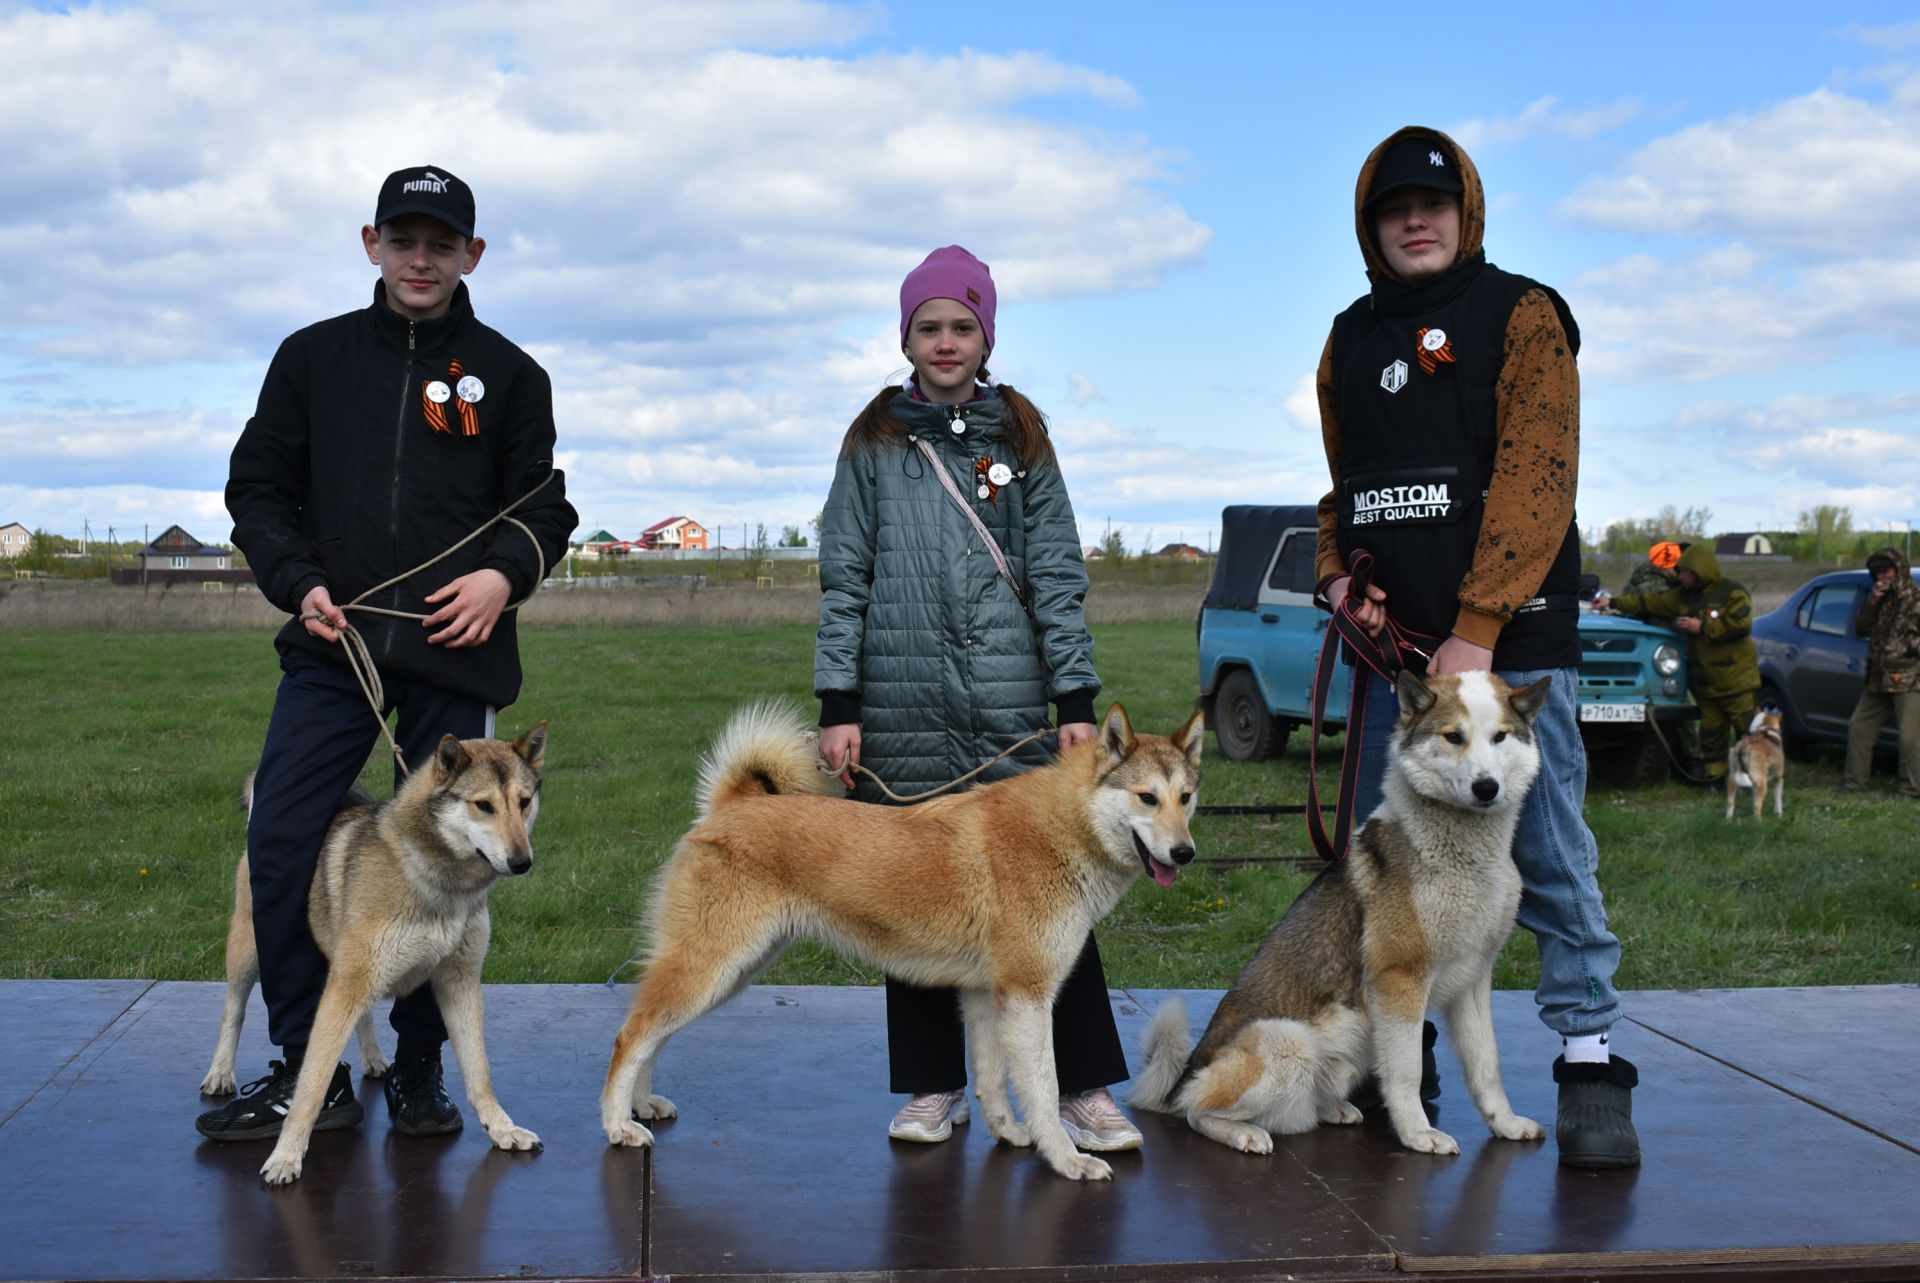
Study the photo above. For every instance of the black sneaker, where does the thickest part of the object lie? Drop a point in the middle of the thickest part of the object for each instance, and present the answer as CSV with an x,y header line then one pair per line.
x,y
261,1107
1367,1095
1595,1122
417,1099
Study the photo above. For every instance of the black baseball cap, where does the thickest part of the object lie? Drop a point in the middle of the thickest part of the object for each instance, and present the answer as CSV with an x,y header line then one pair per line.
x,y
1416,161
429,190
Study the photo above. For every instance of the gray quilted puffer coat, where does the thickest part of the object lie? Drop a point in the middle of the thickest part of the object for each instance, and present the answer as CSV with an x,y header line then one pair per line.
x,y
917,624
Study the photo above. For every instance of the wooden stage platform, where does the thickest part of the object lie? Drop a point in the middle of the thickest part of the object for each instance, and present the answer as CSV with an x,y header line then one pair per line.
x,y
1781,1132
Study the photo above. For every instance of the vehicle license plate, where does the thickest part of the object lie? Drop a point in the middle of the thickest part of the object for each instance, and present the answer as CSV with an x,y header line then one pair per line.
x,y
1613,712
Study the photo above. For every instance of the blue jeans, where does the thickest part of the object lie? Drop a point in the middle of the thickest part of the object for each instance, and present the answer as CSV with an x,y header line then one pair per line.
x,y
1554,850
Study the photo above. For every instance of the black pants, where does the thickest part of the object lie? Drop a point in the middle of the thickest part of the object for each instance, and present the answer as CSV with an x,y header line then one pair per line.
x,y
927,1047
317,740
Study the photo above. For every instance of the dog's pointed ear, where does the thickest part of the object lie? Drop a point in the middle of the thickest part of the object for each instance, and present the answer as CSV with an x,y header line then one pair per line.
x,y
1190,737
450,758
532,747
1531,698
1415,698
1116,733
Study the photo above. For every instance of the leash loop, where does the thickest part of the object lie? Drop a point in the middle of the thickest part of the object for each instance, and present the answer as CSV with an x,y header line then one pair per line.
x,y
1385,655
354,643
829,768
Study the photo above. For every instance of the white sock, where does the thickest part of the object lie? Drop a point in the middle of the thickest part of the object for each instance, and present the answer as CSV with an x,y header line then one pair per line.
x,y
1586,1049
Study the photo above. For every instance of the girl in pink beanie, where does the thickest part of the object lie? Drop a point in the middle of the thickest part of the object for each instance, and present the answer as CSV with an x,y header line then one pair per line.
x,y
931,661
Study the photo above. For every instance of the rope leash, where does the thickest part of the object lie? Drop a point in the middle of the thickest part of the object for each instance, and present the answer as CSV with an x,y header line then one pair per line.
x,y
354,643
1382,655
828,768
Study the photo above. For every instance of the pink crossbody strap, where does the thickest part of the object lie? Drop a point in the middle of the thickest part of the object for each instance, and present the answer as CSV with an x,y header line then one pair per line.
x,y
953,492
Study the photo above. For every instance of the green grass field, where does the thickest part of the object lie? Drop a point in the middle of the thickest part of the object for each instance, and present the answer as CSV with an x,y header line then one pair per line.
x,y
117,793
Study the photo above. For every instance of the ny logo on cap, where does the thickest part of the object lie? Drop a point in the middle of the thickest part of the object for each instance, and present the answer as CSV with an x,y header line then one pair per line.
x,y
1434,158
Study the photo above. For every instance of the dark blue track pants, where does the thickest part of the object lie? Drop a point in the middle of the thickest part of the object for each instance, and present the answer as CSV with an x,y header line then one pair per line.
x,y
318,739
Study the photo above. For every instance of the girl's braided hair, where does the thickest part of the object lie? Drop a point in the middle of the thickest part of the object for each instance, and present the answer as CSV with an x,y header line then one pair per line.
x,y
874,427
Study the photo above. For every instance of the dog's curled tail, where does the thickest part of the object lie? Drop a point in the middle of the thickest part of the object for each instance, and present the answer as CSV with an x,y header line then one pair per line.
x,y
1168,1047
767,747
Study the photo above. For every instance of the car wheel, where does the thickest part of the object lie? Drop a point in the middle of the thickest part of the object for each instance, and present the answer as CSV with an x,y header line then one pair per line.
x,y
1246,731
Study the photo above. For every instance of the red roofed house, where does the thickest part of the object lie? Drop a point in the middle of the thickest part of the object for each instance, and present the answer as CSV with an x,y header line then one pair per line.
x,y
682,534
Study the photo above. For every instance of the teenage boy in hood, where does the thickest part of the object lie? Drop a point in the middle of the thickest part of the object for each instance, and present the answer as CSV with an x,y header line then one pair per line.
x,y
1450,411
382,438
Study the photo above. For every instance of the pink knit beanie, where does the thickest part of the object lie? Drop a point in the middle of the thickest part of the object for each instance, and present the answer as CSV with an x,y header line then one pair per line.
x,y
950,273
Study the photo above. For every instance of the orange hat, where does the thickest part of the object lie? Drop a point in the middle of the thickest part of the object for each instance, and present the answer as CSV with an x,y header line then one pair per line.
x,y
1665,555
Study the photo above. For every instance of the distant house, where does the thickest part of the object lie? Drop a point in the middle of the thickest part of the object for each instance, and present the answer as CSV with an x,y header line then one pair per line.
x,y
604,543
1752,544
1092,552
675,534
1180,552
175,549
177,557
14,539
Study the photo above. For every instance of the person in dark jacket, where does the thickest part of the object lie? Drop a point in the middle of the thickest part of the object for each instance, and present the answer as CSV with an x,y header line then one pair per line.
x,y
1716,615
383,438
930,661
1889,617
1450,413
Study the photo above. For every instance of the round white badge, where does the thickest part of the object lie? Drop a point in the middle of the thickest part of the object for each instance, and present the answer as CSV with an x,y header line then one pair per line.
x,y
999,474
438,391
958,424
470,389
1434,341
984,492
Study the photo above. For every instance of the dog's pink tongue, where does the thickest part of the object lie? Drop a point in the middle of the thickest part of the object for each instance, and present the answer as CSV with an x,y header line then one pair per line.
x,y
1165,874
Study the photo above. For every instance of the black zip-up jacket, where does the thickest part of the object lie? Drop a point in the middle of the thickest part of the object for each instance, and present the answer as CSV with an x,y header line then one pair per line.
x,y
350,473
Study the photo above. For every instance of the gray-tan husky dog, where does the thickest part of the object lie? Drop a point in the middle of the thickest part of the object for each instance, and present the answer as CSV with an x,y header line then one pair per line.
x,y
991,891
1411,920
399,898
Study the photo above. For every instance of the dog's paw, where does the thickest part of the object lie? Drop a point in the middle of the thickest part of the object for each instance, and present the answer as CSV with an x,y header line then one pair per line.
x,y
376,1067
655,1107
1083,1167
1514,1127
218,1082
1249,1139
281,1169
1342,1114
629,1132
1009,1132
1431,1141
508,1136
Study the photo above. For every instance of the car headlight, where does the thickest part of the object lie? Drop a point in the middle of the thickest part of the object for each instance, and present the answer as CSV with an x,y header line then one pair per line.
x,y
1666,659
1670,685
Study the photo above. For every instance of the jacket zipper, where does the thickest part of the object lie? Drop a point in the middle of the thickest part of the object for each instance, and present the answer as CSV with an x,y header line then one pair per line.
x,y
399,445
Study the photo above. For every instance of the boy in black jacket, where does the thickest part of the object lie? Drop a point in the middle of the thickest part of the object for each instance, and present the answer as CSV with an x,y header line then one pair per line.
x,y
382,438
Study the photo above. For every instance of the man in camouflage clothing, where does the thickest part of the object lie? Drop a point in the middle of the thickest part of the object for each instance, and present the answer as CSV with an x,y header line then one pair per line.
x,y
1890,619
1655,575
1716,615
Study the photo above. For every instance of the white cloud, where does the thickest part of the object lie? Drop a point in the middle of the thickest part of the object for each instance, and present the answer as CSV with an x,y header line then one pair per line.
x,y
687,203
1824,175
1083,389
1303,402
1544,118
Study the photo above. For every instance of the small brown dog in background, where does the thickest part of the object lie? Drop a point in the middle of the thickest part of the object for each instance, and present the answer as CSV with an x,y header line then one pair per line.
x,y
1756,759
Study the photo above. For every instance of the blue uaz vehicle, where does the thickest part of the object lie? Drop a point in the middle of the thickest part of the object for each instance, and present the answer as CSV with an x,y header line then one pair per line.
x,y
1260,639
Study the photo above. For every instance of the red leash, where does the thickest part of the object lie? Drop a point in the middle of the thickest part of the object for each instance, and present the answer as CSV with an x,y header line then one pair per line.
x,y
1384,659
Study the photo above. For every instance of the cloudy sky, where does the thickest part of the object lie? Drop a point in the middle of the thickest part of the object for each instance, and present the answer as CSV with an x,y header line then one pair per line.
x,y
699,212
